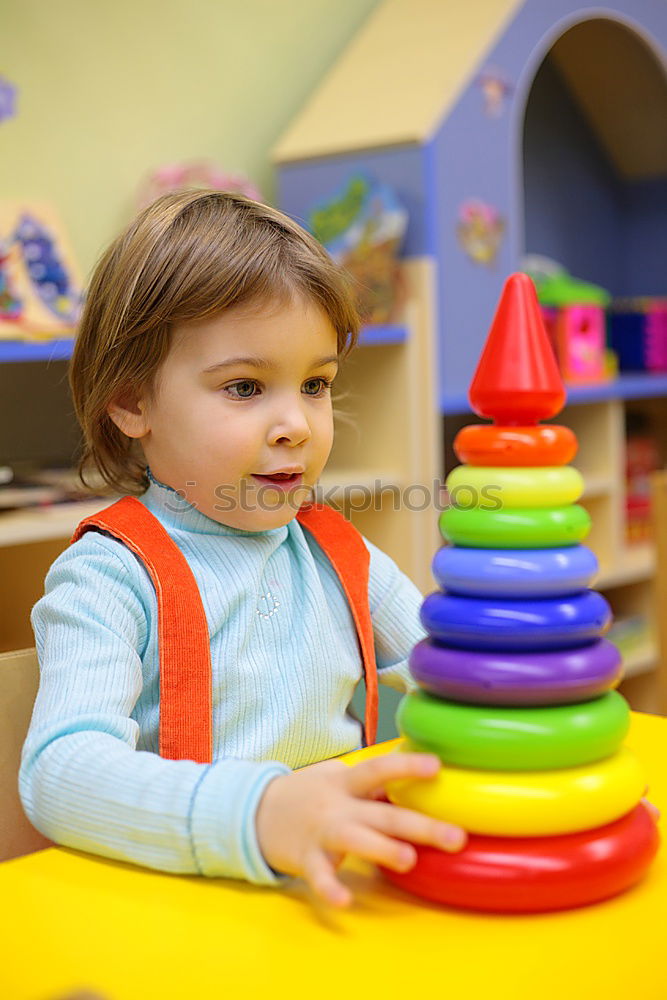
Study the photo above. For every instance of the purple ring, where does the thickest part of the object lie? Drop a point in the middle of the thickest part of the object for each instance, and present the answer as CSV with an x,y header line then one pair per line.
x,y
497,677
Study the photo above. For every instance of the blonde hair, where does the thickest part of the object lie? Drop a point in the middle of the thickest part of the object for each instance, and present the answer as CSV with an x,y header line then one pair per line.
x,y
188,256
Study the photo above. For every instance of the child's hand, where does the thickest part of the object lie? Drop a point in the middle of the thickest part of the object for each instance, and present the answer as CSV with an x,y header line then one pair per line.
x,y
307,821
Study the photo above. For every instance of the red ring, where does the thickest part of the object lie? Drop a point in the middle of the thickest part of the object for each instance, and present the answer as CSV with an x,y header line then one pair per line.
x,y
491,444
536,874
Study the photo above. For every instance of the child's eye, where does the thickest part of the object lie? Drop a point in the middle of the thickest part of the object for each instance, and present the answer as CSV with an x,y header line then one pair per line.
x,y
317,386
244,389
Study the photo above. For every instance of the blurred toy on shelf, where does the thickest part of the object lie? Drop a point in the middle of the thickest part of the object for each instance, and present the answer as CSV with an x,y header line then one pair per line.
x,y
642,459
632,635
20,489
638,334
196,174
362,226
574,313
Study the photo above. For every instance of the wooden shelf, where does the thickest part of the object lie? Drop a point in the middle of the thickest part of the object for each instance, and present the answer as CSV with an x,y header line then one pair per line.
x,y
336,481
38,524
636,563
57,349
640,661
373,336
596,486
631,385
639,385
60,348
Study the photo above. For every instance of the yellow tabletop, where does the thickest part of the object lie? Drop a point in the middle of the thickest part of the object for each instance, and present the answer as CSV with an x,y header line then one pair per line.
x,y
71,921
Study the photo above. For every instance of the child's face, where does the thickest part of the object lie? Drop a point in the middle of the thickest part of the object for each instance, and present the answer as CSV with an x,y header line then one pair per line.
x,y
216,435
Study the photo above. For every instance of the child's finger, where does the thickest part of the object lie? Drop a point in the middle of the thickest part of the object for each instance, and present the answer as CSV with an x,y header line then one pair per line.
x,y
320,874
368,843
405,824
369,777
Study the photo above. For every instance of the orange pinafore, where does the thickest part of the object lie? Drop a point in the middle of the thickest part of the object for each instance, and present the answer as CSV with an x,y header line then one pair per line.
x,y
186,728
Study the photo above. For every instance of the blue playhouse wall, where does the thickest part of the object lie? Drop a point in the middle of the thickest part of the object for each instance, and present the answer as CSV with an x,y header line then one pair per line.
x,y
571,193
539,166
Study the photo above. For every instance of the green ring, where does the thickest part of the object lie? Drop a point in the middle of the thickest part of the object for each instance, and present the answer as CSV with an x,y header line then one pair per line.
x,y
515,528
497,738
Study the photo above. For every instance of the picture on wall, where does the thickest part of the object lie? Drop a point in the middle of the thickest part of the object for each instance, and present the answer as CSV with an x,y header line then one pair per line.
x,y
40,287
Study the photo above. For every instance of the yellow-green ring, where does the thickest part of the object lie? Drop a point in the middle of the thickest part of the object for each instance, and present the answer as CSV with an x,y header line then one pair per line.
x,y
532,486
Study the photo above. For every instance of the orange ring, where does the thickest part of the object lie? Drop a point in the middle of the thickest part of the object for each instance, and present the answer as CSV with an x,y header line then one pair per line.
x,y
539,444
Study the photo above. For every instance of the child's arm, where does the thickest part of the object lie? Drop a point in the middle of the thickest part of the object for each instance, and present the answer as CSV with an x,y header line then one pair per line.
x,y
308,820
395,603
83,784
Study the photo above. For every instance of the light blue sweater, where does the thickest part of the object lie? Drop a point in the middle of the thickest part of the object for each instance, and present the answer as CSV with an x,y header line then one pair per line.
x,y
285,665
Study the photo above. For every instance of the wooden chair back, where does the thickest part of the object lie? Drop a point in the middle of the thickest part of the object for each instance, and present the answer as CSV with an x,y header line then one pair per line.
x,y
19,679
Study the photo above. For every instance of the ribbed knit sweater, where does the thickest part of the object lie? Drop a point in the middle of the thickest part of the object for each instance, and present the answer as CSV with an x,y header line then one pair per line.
x,y
285,663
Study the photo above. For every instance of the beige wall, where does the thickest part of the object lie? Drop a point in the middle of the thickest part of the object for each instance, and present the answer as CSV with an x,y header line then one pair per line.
x,y
109,89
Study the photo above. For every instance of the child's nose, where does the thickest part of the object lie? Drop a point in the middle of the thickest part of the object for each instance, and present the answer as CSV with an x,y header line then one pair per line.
x,y
290,425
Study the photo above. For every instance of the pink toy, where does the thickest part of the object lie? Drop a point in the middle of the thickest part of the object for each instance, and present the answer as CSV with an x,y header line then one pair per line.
x,y
577,334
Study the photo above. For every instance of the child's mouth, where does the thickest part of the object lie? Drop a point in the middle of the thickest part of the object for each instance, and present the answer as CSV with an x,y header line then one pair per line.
x,y
281,480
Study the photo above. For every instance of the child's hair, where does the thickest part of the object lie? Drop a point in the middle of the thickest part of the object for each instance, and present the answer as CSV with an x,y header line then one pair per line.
x,y
188,256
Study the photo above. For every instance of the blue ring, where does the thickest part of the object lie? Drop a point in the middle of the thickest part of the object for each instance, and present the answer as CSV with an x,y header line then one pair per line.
x,y
503,623
514,572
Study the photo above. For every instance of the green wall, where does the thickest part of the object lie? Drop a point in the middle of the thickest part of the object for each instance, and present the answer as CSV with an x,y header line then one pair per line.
x,y
110,89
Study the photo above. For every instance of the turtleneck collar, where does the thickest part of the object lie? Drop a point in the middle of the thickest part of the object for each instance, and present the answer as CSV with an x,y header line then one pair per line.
x,y
177,513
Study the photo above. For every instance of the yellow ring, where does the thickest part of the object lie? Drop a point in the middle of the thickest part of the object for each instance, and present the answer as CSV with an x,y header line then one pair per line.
x,y
494,487
526,803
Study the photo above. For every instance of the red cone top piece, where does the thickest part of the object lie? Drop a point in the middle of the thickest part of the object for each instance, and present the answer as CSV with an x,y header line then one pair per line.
x,y
517,379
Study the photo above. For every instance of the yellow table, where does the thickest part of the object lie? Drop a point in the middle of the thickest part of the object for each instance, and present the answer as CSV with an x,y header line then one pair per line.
x,y
72,921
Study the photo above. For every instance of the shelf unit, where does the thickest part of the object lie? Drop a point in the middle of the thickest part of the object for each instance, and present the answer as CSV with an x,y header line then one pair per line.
x,y
44,524
386,459
30,540
60,348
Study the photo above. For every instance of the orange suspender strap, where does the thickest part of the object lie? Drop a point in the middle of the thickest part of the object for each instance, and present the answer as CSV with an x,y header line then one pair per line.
x,y
183,639
344,547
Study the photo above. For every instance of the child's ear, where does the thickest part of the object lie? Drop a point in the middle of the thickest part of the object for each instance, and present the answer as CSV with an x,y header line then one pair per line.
x,y
128,413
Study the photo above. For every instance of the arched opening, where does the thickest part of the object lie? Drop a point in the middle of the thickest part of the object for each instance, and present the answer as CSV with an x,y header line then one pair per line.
x,y
595,159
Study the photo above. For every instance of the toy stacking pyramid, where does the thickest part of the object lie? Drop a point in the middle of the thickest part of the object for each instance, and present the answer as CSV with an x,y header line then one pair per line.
x,y
516,678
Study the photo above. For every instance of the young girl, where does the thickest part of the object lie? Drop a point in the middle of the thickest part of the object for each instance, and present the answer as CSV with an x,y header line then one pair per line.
x,y
202,373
